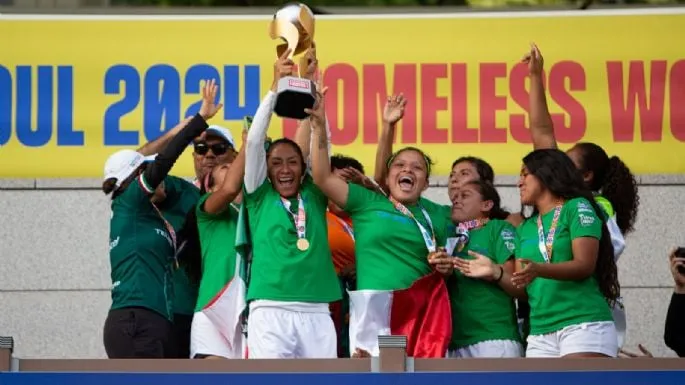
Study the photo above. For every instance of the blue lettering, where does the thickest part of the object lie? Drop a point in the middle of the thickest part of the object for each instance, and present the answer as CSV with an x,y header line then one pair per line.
x,y
5,105
193,84
43,131
161,103
114,135
232,108
66,135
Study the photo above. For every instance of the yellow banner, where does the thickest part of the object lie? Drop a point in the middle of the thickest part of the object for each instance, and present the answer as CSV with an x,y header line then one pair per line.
x,y
73,89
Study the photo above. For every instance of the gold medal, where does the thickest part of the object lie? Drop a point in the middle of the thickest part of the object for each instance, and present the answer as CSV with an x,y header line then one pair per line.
x,y
302,244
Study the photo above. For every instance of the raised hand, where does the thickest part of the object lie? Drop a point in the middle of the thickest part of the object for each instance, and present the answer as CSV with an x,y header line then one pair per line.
x,y
534,60
209,107
394,108
282,67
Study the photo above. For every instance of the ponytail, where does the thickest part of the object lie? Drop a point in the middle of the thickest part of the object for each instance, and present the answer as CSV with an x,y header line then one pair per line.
x,y
611,178
620,188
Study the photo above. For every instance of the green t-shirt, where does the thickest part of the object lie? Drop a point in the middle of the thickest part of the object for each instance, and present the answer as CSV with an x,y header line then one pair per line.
x,y
481,310
280,271
217,241
141,253
391,252
175,208
556,304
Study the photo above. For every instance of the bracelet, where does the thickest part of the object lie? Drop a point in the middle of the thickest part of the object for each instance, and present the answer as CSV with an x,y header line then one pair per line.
x,y
501,274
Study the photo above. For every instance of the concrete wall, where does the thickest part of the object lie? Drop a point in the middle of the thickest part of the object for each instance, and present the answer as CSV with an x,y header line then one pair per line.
x,y
54,267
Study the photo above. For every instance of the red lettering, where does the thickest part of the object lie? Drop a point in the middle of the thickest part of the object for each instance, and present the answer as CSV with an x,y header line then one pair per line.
x,y
490,103
677,99
461,133
623,110
431,103
344,128
577,118
518,124
375,96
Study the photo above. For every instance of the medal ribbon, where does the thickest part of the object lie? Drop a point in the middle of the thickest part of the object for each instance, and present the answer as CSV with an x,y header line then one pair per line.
x,y
170,230
463,232
546,245
428,238
300,219
472,224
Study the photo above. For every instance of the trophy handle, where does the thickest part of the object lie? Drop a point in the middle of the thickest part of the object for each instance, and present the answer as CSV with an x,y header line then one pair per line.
x,y
286,32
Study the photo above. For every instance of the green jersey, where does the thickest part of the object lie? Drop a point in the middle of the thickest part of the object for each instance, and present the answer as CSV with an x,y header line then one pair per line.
x,y
217,241
182,197
390,249
141,252
280,271
556,304
481,310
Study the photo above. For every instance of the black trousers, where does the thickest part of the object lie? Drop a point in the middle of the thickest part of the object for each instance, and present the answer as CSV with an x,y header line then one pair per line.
x,y
138,333
181,335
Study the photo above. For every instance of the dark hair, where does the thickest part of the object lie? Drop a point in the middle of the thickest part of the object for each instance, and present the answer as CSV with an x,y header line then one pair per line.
x,y
483,168
288,142
613,179
189,253
488,192
110,185
339,162
426,158
558,174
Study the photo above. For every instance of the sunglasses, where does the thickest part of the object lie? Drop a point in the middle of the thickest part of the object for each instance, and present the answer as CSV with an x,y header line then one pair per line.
x,y
202,148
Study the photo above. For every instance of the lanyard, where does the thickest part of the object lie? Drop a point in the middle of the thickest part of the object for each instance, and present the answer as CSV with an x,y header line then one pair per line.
x,y
428,238
546,245
300,220
170,230
345,226
463,229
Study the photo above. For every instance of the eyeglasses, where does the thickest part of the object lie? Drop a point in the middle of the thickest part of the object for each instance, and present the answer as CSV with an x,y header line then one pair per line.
x,y
202,148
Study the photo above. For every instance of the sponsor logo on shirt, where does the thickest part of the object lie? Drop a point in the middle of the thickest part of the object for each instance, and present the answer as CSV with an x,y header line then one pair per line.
x,y
583,207
165,235
510,246
113,243
586,220
507,235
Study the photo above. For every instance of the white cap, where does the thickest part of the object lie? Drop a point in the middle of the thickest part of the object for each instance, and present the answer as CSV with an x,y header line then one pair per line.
x,y
122,164
221,132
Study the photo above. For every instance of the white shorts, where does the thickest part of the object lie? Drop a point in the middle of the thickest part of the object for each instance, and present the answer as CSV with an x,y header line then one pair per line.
x,y
619,314
205,338
489,349
589,337
290,330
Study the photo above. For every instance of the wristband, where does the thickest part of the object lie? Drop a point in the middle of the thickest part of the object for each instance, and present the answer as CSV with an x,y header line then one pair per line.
x,y
501,274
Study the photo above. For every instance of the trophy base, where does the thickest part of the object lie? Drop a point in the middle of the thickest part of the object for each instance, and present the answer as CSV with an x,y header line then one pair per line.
x,y
293,96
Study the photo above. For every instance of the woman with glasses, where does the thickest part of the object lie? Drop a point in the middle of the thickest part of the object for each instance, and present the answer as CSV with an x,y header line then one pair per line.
x,y
143,243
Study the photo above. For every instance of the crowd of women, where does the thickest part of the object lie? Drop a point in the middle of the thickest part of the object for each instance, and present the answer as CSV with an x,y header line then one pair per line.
x,y
331,254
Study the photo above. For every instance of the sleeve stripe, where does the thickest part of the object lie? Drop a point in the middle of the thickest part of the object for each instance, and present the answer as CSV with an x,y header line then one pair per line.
x,y
143,184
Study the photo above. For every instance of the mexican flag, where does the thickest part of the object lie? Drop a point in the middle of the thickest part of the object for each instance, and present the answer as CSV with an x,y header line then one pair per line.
x,y
421,312
227,309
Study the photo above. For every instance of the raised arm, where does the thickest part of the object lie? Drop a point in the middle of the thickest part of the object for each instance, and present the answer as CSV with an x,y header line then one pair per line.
x,y
156,146
308,68
333,187
230,188
159,169
392,113
255,153
541,125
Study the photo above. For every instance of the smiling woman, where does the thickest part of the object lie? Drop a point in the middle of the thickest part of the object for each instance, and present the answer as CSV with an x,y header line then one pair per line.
x,y
395,238
292,275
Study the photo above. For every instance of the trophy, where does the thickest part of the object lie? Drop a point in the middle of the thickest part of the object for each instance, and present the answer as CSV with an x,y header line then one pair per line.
x,y
294,24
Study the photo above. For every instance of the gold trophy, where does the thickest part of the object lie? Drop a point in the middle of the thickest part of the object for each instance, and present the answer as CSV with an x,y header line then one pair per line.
x,y
294,25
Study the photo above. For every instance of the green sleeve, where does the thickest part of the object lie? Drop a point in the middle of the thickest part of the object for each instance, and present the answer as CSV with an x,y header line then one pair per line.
x,y
203,216
136,193
582,219
517,240
504,242
309,186
255,198
359,198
